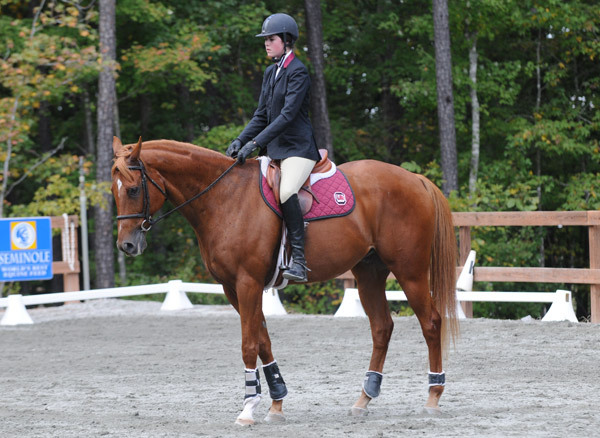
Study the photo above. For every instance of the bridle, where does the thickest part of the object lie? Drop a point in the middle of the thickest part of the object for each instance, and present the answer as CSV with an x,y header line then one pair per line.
x,y
145,214
148,222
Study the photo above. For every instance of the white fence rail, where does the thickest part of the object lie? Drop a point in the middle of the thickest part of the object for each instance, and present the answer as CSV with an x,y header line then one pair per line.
x,y
561,308
176,298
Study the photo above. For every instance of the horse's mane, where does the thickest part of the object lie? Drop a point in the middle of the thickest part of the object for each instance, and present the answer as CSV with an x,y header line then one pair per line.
x,y
124,153
120,163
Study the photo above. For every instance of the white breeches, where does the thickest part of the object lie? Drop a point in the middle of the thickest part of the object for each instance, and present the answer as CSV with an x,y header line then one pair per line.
x,y
294,171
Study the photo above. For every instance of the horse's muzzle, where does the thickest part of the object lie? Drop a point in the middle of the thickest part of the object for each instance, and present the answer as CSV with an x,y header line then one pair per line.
x,y
133,245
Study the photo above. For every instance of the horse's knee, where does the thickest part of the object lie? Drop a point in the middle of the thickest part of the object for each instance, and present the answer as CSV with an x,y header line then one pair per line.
x,y
250,353
432,327
382,333
436,321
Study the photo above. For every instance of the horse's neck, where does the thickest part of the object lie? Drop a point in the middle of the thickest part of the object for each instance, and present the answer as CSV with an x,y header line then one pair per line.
x,y
187,168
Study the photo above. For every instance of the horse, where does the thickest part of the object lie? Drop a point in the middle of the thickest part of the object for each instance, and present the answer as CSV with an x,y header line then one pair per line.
x,y
401,224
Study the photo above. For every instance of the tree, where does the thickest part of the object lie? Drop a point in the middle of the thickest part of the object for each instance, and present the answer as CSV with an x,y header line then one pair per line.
x,y
103,213
445,95
46,57
318,92
196,68
475,113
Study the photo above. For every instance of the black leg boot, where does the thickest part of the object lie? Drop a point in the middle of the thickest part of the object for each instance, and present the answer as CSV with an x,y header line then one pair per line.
x,y
292,215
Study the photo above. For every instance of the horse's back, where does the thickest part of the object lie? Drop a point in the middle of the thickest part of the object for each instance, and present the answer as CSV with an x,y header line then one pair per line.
x,y
379,185
393,204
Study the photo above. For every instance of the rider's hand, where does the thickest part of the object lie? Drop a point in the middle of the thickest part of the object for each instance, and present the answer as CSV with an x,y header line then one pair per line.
x,y
245,152
234,148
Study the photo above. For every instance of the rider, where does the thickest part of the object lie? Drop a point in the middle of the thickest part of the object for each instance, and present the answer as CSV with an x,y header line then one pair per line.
x,y
281,127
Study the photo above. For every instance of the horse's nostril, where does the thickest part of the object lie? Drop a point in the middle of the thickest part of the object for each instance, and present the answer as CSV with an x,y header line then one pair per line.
x,y
128,247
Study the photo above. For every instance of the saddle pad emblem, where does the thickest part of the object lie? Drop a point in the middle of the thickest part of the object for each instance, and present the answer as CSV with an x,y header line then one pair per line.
x,y
340,198
334,194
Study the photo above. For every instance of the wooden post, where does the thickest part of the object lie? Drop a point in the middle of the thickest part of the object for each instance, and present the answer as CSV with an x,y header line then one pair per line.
x,y
348,280
70,275
71,278
464,239
594,236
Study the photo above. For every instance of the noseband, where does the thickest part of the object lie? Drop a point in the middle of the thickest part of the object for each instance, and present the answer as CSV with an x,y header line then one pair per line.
x,y
145,214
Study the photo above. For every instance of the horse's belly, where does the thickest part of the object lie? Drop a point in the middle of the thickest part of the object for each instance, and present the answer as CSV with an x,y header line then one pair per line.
x,y
334,246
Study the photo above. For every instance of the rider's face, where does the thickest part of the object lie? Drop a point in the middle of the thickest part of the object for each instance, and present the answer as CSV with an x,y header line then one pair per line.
x,y
274,46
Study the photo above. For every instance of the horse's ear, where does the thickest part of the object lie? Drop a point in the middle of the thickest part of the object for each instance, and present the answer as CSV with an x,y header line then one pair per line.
x,y
117,145
135,152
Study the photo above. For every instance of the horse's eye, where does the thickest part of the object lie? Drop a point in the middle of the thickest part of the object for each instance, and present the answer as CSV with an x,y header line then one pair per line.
x,y
133,192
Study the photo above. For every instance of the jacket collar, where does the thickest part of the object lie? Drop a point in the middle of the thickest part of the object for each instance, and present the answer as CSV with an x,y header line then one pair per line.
x,y
286,61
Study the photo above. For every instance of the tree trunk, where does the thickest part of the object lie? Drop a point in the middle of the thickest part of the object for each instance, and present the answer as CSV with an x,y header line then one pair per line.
x,y
121,255
318,94
474,170
445,97
103,237
538,153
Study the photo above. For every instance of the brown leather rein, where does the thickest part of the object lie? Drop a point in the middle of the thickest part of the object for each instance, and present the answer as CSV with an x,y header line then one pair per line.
x,y
148,222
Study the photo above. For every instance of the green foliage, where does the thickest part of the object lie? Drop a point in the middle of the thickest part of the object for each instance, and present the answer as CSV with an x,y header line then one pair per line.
x,y
192,71
509,310
219,137
321,298
58,192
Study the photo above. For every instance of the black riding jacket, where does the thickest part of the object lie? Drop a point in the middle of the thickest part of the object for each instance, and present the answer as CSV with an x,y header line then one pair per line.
x,y
280,123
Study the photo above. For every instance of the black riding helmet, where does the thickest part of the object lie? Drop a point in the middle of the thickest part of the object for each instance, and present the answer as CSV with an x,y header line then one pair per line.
x,y
283,25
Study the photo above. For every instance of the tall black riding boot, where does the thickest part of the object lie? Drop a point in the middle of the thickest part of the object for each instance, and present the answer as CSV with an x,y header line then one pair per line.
x,y
292,215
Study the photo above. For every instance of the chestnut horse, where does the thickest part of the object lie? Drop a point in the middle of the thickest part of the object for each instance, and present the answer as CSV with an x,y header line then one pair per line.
x,y
401,223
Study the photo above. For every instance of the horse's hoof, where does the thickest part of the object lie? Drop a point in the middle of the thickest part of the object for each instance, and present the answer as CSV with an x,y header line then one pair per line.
x,y
433,412
244,422
358,412
274,418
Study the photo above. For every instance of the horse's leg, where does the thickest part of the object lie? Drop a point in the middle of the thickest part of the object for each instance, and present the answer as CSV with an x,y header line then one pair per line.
x,y
277,388
371,275
419,298
255,343
249,308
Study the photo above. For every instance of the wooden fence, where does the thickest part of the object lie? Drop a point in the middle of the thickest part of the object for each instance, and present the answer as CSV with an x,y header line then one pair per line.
x,y
69,237
464,221
591,275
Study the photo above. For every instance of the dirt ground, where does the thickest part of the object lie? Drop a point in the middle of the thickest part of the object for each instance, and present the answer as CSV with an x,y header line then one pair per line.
x,y
126,369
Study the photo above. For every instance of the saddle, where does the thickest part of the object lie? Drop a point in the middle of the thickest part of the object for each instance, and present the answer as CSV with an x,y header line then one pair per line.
x,y
305,195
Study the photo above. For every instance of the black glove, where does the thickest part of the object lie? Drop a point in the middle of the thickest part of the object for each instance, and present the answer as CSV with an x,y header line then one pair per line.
x,y
234,148
245,152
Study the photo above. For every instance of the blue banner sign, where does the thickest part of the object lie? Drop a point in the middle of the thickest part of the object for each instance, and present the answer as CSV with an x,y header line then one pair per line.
x,y
25,249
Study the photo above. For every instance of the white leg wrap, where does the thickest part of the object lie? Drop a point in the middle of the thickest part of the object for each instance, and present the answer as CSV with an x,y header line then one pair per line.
x,y
250,405
252,395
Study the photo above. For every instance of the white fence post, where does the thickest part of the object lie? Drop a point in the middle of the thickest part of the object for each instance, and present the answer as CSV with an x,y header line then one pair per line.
x,y
16,313
350,305
465,282
561,308
176,298
271,304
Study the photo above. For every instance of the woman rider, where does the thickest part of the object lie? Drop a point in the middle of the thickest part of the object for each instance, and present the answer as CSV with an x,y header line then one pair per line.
x,y
281,127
